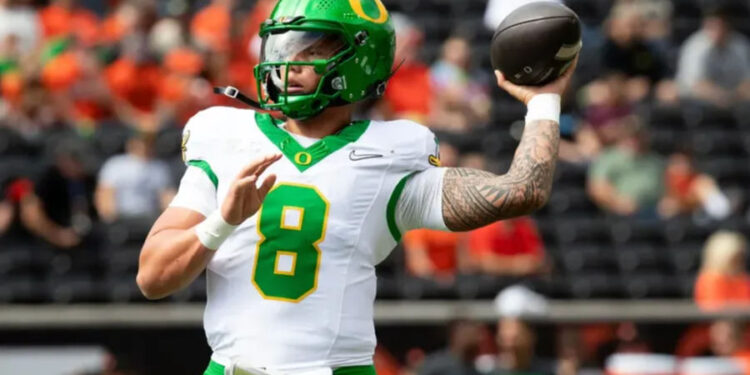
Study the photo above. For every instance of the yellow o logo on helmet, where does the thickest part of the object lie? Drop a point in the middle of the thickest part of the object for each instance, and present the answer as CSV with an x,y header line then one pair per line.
x,y
357,7
303,158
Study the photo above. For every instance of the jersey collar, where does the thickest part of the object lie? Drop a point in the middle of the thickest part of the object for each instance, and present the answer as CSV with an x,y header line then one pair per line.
x,y
305,157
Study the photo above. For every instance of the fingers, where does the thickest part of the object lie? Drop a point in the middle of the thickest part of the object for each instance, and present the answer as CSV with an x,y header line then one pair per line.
x,y
569,72
573,66
257,165
504,83
266,163
500,77
266,186
522,93
242,185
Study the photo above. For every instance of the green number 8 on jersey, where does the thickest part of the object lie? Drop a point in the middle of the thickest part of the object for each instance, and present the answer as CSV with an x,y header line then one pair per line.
x,y
291,224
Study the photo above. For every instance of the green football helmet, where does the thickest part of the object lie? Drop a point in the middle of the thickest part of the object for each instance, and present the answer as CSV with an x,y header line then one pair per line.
x,y
350,44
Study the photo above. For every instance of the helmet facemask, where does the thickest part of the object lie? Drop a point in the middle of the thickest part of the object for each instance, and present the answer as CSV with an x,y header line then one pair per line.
x,y
288,59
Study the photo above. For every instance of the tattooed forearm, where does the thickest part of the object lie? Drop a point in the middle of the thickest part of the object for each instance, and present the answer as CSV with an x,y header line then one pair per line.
x,y
474,198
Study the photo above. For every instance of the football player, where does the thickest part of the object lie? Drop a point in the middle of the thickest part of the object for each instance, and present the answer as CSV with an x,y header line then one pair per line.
x,y
290,217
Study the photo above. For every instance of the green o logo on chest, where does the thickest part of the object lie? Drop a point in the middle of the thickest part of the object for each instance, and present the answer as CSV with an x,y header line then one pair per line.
x,y
303,158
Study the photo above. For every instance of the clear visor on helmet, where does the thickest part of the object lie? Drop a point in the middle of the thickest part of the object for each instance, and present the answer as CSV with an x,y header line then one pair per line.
x,y
300,46
295,49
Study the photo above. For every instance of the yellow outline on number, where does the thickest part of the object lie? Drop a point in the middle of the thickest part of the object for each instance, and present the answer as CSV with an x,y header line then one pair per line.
x,y
316,246
357,8
279,253
283,217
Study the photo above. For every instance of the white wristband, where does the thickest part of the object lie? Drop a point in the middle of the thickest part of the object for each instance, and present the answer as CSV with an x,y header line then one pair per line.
x,y
214,230
543,107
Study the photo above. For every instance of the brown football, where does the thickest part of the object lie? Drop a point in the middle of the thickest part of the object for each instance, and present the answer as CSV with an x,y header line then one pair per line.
x,y
536,43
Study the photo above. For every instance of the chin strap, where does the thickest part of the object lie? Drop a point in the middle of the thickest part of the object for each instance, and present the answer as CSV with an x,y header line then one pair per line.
x,y
234,93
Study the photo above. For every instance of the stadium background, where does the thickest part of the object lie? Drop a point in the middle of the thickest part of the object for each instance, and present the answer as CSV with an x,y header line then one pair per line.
x,y
84,81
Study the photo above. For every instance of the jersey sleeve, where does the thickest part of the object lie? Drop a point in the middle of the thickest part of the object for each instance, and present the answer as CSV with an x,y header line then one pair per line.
x,y
416,200
421,202
198,144
196,192
198,186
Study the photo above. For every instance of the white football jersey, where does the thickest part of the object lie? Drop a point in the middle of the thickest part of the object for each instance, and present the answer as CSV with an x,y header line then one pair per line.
x,y
293,287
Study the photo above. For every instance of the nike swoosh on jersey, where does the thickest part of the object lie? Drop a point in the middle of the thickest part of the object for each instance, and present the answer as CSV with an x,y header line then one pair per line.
x,y
353,156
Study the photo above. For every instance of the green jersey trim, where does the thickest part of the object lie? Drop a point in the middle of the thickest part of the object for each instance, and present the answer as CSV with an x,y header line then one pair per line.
x,y
305,157
217,369
390,212
214,368
202,164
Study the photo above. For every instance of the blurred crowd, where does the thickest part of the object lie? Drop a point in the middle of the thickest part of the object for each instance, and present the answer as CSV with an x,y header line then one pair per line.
x,y
510,346
93,95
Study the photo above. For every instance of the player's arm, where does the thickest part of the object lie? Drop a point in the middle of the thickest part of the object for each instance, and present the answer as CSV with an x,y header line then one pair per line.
x,y
183,241
473,198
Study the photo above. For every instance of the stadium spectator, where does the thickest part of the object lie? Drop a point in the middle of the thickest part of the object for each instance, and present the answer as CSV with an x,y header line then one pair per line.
x,y
515,337
182,91
210,27
135,78
29,113
627,179
625,51
461,97
714,64
508,247
15,188
517,342
656,20
434,254
627,338
7,212
606,110
409,93
19,25
727,341
65,18
572,353
459,356
722,280
58,207
385,363
687,190
123,21
133,185
74,82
